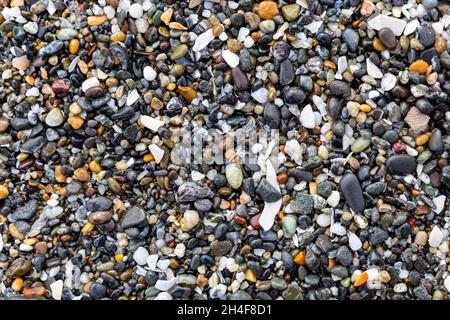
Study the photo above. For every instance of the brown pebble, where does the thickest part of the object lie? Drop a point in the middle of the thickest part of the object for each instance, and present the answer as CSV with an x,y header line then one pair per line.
x,y
41,248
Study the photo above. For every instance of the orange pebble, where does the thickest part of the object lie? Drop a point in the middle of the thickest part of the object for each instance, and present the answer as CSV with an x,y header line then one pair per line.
x,y
300,258
34,292
118,36
419,66
76,122
365,108
282,178
148,157
362,279
96,20
188,93
74,45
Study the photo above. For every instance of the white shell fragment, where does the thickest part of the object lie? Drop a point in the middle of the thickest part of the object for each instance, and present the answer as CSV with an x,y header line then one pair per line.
x,y
271,209
381,21
157,152
151,123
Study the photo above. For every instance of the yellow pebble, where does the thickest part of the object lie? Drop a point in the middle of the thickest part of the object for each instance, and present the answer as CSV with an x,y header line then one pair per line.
x,y
329,64
188,93
121,165
75,121
250,275
22,156
378,45
17,284
101,175
167,16
171,86
312,187
59,176
329,135
177,26
75,108
422,139
118,257
94,166
30,241
88,227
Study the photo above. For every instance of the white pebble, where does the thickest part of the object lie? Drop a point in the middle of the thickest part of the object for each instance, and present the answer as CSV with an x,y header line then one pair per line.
x,y
373,70
56,288
31,27
294,150
136,11
260,95
439,202
333,198
381,21
164,285
231,58
152,260
436,237
388,82
203,40
354,242
132,97
307,117
140,256
447,283
323,220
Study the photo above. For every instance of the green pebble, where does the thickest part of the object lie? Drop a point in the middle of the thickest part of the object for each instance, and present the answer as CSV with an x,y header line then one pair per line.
x,y
424,156
361,144
289,226
179,52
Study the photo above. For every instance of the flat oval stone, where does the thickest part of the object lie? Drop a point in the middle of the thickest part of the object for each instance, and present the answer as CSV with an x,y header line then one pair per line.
x,y
352,192
435,144
287,73
388,38
100,217
234,175
401,164
133,217
240,78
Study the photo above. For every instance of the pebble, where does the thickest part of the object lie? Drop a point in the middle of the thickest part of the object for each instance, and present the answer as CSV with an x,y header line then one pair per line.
x,y
230,58
352,192
401,164
54,118
388,38
307,117
436,237
234,175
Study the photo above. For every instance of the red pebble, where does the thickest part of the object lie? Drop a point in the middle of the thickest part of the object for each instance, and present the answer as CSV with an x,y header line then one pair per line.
x,y
239,220
399,147
254,221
